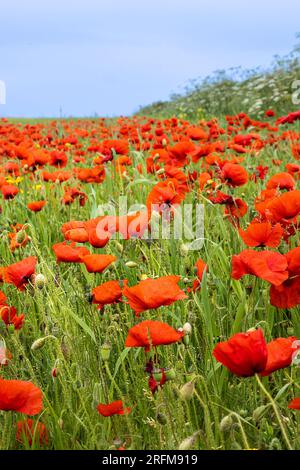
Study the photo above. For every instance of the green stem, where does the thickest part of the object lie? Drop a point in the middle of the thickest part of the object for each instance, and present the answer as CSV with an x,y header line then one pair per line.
x,y
283,431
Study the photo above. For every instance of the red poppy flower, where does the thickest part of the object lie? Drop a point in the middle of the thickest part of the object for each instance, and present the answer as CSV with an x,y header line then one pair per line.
x,y
20,273
77,235
36,206
114,408
287,294
150,333
9,316
236,209
280,354
234,175
9,191
97,263
281,181
28,432
17,395
244,354
108,293
267,265
201,267
285,207
295,404
69,253
153,293
166,193
262,234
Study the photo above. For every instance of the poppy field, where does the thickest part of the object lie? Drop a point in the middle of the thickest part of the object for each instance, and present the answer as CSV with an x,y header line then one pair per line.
x,y
112,338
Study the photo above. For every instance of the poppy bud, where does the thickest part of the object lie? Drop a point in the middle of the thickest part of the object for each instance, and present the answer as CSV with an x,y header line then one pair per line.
x,y
164,142
131,264
60,423
186,280
119,247
186,340
187,328
161,418
187,390
275,444
296,358
20,236
160,171
39,343
105,351
96,394
184,249
188,442
226,423
259,412
54,372
65,349
39,281
235,446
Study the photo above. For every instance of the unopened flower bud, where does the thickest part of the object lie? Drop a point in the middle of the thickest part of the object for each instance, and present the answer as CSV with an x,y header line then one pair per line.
x,y
187,391
160,171
105,351
131,264
226,423
161,418
39,281
259,412
184,249
187,328
20,236
40,342
164,142
188,442
170,374
275,444
119,247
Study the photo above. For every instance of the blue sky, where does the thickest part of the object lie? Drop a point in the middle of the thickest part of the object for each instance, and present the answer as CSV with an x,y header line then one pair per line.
x,y
109,57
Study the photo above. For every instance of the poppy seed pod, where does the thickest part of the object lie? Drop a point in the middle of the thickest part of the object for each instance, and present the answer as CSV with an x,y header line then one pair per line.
x,y
187,391
105,351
